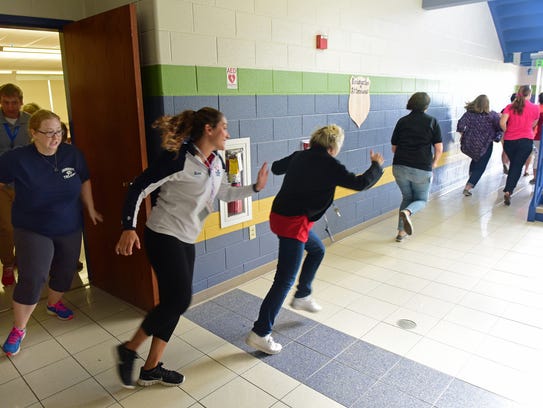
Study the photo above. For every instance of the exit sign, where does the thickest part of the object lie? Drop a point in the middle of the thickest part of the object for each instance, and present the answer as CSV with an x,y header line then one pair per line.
x,y
539,63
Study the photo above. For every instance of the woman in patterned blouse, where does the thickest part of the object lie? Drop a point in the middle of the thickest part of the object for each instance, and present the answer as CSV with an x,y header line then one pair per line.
x,y
478,127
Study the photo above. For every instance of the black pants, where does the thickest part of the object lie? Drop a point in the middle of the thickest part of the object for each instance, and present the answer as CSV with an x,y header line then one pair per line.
x,y
173,262
517,151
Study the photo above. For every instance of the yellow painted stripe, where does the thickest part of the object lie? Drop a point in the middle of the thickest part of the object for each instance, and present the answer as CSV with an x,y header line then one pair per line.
x,y
261,208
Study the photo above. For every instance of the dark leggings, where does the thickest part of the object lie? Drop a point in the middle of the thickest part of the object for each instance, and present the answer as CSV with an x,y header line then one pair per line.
x,y
517,151
173,262
40,257
477,167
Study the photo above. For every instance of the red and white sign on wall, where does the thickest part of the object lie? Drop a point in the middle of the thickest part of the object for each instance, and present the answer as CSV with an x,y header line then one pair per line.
x,y
231,78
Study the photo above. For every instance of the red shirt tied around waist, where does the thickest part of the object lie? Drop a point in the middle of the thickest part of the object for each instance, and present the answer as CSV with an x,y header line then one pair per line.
x,y
295,227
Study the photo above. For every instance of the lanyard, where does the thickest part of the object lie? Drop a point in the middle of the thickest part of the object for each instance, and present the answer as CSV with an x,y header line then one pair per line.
x,y
13,135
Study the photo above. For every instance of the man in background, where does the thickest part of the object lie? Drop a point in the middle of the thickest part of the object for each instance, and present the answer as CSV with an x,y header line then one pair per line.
x,y
13,133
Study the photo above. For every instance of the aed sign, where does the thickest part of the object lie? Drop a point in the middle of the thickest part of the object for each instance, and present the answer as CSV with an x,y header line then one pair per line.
x,y
231,78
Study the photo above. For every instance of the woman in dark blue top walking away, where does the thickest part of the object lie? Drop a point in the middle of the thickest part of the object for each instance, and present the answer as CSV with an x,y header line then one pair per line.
x,y
311,177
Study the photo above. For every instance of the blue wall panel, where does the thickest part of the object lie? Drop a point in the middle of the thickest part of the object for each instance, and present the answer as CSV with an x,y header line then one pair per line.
x,y
241,252
209,264
287,128
238,107
223,241
343,103
340,119
310,123
271,106
259,130
301,104
268,152
268,242
326,103
181,103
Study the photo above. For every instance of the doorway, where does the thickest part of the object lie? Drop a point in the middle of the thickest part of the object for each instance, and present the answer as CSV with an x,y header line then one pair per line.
x,y
105,104
31,59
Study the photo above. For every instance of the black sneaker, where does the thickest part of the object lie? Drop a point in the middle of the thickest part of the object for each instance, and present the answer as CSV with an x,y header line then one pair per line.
x,y
125,364
160,375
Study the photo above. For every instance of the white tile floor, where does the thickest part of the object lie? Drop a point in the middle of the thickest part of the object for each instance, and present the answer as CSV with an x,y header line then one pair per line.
x,y
471,278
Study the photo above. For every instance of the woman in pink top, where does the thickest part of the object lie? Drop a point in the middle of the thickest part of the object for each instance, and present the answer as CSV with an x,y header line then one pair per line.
x,y
518,121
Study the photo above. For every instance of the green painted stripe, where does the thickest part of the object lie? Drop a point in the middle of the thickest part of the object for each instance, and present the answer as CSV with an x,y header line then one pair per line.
x,y
178,80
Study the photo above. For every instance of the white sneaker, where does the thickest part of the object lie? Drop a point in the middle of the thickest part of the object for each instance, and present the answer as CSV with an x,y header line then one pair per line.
x,y
265,344
306,303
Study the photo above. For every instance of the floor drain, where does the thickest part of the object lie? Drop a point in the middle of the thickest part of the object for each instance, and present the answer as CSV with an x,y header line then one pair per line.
x,y
406,324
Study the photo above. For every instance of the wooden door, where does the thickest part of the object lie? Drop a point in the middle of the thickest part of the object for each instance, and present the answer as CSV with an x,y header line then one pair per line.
x,y
102,67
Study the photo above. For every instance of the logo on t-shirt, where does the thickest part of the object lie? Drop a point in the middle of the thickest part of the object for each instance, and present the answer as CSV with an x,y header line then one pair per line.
x,y
68,172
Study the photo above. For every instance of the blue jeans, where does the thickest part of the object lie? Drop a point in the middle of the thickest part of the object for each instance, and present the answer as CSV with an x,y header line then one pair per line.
x,y
477,168
414,185
517,151
291,252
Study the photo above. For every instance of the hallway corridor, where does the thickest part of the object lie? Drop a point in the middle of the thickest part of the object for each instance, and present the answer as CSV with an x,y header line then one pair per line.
x,y
470,278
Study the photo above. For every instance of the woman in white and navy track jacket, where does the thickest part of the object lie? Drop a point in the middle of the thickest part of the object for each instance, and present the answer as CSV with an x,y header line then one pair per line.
x,y
190,175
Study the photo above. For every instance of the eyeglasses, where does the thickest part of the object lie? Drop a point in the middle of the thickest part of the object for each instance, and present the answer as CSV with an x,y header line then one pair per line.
x,y
51,133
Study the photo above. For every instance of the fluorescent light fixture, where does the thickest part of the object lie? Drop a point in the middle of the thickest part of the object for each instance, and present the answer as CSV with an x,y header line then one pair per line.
x,y
6,71
29,53
36,72
30,50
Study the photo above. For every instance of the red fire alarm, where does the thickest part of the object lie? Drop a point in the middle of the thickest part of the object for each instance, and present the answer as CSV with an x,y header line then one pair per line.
x,y
322,41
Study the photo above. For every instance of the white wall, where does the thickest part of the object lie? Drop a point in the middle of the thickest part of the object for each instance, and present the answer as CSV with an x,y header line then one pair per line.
x,y
386,38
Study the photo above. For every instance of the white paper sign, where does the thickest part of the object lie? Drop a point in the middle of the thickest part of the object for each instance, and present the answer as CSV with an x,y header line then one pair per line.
x,y
232,78
359,99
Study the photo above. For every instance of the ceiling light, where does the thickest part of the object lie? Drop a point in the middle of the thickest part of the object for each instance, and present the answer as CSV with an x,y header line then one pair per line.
x,y
36,72
30,50
11,53
6,72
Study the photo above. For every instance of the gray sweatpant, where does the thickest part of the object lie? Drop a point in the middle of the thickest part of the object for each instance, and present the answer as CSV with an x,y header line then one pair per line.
x,y
40,257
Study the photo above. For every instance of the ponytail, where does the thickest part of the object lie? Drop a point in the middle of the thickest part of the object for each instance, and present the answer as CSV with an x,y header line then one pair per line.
x,y
185,126
520,101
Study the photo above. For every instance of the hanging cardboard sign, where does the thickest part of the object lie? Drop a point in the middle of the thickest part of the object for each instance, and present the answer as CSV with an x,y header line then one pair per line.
x,y
231,78
359,99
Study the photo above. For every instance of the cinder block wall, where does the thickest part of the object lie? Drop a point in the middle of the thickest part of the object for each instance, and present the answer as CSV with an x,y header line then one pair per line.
x,y
287,88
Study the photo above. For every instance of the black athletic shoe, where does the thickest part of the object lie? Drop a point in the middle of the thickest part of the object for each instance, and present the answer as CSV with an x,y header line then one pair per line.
x,y
125,364
160,375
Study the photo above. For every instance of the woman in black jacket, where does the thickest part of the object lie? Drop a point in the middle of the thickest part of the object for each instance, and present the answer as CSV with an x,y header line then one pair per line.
x,y
311,177
417,147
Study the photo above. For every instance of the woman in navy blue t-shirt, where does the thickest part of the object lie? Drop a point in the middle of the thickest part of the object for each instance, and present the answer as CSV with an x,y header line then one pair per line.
x,y
52,185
